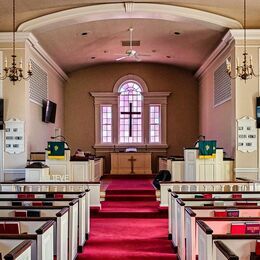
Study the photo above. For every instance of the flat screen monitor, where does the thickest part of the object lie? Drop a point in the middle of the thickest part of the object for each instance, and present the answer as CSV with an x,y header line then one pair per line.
x,y
48,111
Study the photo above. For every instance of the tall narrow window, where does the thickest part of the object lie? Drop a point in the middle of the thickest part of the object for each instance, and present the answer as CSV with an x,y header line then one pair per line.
x,y
106,123
154,123
130,113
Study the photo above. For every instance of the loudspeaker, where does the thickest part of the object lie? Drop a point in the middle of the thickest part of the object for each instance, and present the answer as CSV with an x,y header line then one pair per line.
x,y
258,112
1,113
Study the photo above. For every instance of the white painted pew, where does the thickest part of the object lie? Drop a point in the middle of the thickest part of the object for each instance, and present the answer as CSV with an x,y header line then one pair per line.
x,y
59,202
15,249
178,217
223,252
29,225
203,186
194,213
84,205
51,211
217,194
41,239
243,245
93,187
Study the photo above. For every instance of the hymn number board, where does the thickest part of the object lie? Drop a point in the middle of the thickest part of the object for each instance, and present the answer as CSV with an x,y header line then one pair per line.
x,y
246,134
14,136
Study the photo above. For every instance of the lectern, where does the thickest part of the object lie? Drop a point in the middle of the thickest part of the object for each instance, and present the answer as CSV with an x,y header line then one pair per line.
x,y
203,168
58,160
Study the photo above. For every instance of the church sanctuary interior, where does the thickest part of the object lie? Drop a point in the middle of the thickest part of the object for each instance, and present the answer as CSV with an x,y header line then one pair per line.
x,y
129,130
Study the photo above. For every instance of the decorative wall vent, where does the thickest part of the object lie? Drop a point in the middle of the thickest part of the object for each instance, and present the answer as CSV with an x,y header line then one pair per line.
x,y
222,85
38,84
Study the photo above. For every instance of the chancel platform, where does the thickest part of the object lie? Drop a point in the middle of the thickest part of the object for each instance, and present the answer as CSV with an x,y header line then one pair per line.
x,y
131,163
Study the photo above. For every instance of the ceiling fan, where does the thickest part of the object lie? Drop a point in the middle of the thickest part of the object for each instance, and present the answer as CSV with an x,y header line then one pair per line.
x,y
131,53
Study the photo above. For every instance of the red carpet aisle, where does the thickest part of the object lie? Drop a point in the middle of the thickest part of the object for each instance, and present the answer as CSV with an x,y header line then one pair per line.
x,y
130,224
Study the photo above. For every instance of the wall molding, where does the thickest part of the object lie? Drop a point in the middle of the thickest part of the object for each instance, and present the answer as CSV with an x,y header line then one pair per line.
x,y
226,42
14,171
123,11
33,44
244,170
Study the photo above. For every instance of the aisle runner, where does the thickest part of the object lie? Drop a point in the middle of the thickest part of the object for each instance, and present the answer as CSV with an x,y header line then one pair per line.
x,y
129,226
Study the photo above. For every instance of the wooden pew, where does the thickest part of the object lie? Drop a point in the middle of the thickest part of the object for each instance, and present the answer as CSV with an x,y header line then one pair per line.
x,y
57,202
178,216
204,186
216,230
18,250
194,213
83,210
41,239
223,252
219,194
93,187
28,225
51,211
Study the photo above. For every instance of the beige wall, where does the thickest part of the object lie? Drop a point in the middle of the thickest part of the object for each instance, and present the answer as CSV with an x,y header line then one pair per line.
x,y
246,93
217,122
182,104
17,105
39,133
14,103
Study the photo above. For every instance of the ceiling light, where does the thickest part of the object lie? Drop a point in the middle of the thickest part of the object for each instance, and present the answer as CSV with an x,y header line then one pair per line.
x,y
15,73
245,69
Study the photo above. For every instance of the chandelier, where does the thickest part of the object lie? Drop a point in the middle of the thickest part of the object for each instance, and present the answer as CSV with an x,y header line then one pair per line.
x,y
245,69
13,72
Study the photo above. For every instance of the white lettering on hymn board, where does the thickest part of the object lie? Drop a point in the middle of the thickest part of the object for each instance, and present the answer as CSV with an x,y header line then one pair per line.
x,y
246,134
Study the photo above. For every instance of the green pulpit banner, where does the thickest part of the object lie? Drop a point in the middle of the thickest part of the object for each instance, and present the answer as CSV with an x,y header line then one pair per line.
x,y
56,150
207,149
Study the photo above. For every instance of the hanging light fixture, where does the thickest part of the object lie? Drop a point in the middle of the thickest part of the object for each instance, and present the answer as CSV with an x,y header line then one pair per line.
x,y
13,72
244,70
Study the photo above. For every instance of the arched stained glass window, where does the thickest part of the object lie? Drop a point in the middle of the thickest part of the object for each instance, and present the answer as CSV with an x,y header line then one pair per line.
x,y
130,112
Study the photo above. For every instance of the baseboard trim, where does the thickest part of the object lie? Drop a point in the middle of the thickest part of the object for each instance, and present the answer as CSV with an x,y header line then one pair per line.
x,y
14,171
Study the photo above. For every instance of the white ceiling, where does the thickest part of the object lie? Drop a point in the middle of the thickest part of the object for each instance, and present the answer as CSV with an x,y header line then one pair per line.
x,y
72,51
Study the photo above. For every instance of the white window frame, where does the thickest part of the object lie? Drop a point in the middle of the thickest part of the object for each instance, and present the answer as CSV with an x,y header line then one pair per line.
x,y
142,117
160,123
101,123
112,98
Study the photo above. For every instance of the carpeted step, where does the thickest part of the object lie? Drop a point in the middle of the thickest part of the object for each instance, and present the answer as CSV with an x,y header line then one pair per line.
x,y
129,197
130,214
128,176
130,191
128,239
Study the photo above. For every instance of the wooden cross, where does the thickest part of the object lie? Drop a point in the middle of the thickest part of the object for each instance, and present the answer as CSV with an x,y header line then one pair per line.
x,y
130,113
132,160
